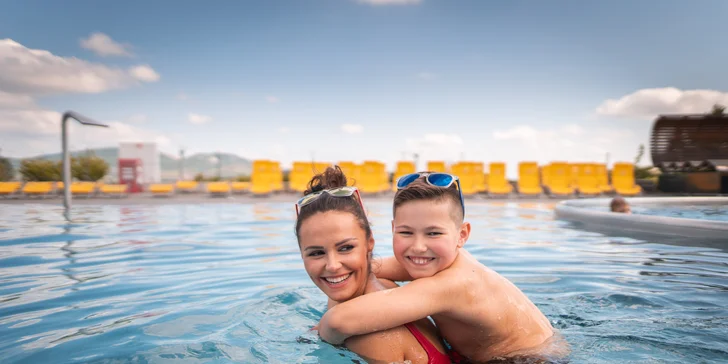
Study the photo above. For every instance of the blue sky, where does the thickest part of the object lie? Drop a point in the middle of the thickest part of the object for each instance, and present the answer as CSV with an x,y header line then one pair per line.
x,y
356,80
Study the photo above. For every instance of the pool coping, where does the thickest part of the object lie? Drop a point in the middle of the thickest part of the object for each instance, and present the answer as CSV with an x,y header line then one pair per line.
x,y
576,211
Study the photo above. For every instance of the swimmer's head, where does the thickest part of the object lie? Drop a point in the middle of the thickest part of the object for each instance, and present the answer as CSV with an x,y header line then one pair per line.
x,y
619,204
334,236
428,227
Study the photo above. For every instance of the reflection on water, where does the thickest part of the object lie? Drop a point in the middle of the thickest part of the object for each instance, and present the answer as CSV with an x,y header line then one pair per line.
x,y
225,283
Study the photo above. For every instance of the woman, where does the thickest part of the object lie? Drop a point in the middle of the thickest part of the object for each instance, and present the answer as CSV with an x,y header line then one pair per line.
x,y
336,245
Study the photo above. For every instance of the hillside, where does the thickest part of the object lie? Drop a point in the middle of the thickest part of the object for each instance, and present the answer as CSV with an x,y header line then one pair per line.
x,y
232,165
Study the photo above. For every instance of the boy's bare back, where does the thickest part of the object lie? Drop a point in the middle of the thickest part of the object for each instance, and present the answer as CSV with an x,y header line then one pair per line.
x,y
492,317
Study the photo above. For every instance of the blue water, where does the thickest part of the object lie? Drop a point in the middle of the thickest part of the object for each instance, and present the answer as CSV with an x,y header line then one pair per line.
x,y
225,283
702,212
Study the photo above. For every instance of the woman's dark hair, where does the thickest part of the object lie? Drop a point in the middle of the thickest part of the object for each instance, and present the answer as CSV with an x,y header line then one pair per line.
x,y
332,177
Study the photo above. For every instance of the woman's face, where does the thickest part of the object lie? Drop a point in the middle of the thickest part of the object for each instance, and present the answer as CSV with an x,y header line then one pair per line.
x,y
335,252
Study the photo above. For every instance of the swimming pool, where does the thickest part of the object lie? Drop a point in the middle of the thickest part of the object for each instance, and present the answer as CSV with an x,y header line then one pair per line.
x,y
225,283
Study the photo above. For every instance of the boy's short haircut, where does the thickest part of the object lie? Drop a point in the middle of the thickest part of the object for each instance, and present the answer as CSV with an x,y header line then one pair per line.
x,y
618,204
422,191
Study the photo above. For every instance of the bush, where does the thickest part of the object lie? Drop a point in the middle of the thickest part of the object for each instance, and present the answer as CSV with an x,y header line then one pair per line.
x,y
243,178
89,168
40,170
6,169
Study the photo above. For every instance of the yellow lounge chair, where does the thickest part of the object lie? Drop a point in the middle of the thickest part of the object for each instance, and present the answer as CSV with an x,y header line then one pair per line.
x,y
587,180
240,187
528,181
373,177
42,189
114,190
351,171
83,188
187,186
603,178
261,179
498,184
623,180
219,188
161,189
465,172
560,179
479,176
276,176
437,166
10,189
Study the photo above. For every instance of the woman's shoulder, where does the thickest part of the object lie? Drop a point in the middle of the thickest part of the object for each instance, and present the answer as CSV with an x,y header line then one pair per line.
x,y
378,346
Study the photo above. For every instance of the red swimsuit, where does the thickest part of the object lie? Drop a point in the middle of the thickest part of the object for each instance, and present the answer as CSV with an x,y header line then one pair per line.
x,y
434,355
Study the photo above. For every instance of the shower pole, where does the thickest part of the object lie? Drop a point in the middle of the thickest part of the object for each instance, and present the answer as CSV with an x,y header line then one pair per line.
x,y
67,158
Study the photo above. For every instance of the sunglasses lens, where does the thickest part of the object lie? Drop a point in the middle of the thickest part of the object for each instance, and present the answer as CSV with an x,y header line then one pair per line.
x,y
308,198
404,181
341,192
440,179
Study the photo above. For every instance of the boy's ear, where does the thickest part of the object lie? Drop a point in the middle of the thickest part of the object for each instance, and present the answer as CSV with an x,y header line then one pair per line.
x,y
392,226
370,244
464,234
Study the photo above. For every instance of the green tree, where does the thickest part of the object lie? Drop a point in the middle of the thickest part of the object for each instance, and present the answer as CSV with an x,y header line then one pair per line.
x,y
41,170
199,177
6,169
718,109
89,168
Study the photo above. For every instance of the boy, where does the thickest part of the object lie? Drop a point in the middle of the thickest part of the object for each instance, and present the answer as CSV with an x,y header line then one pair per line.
x,y
619,204
481,314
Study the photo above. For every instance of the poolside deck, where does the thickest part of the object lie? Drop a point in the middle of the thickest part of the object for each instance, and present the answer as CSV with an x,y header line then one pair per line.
x,y
148,199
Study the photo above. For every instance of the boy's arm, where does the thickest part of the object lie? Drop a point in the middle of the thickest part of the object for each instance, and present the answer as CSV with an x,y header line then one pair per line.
x,y
389,268
387,309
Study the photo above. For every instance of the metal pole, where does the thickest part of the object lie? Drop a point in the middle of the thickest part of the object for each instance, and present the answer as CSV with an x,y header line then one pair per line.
x,y
67,157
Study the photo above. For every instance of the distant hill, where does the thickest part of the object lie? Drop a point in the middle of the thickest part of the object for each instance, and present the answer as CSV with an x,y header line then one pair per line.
x,y
232,165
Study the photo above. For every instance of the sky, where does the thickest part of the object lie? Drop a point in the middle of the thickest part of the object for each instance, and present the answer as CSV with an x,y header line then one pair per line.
x,y
355,80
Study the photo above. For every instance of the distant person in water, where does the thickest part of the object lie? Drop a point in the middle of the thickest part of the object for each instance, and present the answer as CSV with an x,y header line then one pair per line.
x,y
619,204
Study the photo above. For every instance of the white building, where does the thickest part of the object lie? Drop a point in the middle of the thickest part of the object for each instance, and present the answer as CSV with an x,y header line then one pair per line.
x,y
149,155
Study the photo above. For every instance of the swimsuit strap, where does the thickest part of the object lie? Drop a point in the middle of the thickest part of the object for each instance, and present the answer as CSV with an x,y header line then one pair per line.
x,y
434,355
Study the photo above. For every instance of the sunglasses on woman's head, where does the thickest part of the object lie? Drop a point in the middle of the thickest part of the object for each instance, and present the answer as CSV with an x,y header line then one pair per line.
x,y
346,191
437,179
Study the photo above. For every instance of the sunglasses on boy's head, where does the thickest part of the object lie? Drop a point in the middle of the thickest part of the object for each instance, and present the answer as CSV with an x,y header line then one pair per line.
x,y
346,191
436,179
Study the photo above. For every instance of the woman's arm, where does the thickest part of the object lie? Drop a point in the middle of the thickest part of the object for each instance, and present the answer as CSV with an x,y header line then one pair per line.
x,y
378,347
387,309
389,268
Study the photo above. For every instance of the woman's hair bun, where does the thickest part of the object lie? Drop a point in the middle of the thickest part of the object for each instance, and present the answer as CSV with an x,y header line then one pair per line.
x,y
332,177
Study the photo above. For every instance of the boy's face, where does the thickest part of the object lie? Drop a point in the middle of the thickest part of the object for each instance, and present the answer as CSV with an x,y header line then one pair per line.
x,y
425,236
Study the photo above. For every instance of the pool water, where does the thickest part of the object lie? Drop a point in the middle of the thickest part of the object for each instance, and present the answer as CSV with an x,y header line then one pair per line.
x,y
225,283
702,212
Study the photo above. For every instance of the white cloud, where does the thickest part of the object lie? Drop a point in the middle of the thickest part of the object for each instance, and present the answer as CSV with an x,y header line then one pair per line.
x,y
198,118
284,130
272,99
572,129
144,73
104,46
426,76
352,128
33,71
14,101
649,103
390,2
31,132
